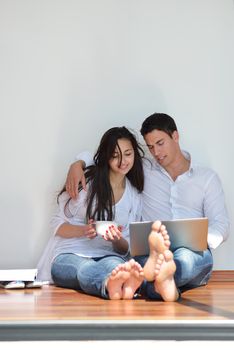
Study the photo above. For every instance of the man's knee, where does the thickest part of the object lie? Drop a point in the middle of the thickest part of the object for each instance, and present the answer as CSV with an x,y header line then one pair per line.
x,y
190,265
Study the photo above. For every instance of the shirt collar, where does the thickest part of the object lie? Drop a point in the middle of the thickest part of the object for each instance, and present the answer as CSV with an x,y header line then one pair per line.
x,y
187,155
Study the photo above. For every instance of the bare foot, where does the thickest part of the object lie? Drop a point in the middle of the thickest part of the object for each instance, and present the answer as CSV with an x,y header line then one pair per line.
x,y
124,280
159,241
134,281
164,283
116,280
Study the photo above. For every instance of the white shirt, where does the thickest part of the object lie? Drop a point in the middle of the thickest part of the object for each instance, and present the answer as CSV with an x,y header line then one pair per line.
x,y
196,193
128,209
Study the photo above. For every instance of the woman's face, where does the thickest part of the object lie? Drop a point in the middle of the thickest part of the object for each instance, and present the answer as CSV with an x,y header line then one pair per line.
x,y
122,159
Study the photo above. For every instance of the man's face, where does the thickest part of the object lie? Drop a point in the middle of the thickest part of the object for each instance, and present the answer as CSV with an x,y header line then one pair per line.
x,y
162,147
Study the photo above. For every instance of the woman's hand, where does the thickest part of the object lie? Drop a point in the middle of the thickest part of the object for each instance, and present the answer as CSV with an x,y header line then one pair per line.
x,y
113,234
89,230
67,230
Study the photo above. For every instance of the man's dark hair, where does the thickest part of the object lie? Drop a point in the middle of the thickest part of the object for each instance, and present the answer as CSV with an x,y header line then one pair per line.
x,y
159,121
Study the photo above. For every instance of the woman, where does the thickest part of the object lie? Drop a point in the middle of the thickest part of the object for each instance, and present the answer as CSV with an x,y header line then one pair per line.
x,y
76,256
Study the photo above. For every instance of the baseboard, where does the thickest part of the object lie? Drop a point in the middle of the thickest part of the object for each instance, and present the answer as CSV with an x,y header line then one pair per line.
x,y
222,276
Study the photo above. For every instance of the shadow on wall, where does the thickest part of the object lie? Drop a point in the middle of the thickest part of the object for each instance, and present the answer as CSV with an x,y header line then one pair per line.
x,y
18,217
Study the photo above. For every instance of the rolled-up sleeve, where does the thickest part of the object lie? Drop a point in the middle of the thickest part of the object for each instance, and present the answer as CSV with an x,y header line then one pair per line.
x,y
216,211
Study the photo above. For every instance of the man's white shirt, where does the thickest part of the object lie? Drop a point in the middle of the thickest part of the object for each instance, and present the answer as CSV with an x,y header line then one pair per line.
x,y
196,193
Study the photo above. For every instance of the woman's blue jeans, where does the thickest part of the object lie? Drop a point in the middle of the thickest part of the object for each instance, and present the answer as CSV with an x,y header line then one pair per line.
x,y
86,274
193,269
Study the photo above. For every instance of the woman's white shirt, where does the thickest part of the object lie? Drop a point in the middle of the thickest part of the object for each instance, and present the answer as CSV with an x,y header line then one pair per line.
x,y
127,209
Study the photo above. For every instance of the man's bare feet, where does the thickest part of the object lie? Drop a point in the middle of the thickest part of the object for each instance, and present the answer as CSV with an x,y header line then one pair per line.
x,y
164,283
159,241
124,280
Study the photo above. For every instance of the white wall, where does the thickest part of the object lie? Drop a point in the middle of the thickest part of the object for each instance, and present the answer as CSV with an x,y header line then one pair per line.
x,y
70,69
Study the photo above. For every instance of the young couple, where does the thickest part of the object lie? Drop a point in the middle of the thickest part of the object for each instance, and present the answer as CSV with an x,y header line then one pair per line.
x,y
121,185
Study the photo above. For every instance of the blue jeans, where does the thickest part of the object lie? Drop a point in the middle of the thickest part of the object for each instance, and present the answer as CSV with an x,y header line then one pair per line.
x,y
193,269
86,274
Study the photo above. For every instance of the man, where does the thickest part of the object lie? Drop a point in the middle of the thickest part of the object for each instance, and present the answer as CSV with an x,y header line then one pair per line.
x,y
176,188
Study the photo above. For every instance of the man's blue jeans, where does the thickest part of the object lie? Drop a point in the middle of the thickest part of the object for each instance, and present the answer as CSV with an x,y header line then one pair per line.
x,y
193,269
86,274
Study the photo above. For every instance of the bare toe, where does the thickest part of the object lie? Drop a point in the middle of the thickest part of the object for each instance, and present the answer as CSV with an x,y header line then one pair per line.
x,y
156,226
134,281
116,280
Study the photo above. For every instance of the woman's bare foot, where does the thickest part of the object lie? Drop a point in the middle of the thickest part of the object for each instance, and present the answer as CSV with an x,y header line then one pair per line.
x,y
164,283
134,281
159,241
117,279
124,280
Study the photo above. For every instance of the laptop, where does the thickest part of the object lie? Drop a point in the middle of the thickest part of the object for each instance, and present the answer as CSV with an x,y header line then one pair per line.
x,y
189,233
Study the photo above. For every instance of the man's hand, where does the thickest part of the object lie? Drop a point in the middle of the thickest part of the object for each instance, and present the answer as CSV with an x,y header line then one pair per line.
x,y
74,177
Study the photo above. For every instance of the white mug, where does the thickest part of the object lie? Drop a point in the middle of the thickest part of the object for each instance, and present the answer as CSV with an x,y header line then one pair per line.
x,y
103,226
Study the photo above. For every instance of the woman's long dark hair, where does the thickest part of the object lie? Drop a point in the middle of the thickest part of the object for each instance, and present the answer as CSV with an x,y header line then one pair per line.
x,y
100,198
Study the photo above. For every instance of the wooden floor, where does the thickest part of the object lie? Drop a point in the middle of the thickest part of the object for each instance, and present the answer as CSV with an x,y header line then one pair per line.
x,y
57,313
